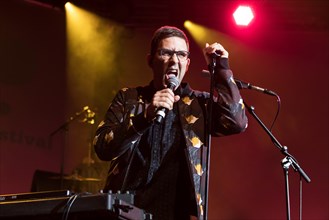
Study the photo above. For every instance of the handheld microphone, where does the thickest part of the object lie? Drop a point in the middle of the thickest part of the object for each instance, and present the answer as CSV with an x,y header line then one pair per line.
x,y
172,83
245,85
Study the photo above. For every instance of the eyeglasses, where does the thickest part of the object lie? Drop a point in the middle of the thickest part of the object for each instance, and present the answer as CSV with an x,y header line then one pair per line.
x,y
166,54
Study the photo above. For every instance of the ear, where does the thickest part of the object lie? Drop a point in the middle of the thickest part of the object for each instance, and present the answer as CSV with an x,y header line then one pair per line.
x,y
149,60
188,64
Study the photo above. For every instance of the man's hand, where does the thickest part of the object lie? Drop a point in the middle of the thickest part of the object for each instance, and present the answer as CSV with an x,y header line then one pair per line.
x,y
214,48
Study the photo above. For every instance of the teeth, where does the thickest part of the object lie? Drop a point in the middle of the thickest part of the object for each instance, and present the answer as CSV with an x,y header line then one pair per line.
x,y
172,71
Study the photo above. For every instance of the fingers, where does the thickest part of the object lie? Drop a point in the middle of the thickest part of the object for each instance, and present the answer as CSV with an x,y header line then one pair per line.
x,y
177,98
164,98
214,48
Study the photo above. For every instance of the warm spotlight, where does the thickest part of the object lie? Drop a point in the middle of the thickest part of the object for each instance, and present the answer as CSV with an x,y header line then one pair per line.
x,y
188,24
69,6
202,34
243,15
92,48
198,32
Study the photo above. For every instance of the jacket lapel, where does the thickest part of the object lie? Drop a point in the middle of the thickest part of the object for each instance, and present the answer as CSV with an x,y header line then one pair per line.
x,y
193,124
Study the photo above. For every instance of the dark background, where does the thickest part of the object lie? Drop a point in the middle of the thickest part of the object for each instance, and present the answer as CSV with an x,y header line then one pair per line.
x,y
285,50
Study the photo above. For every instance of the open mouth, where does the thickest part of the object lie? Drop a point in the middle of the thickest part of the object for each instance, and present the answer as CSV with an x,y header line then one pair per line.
x,y
171,73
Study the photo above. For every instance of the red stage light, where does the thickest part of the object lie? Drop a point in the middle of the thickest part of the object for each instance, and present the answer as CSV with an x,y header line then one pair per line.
x,y
243,15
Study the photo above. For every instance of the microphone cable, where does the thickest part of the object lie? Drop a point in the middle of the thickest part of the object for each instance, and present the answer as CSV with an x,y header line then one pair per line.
x,y
70,203
277,112
68,206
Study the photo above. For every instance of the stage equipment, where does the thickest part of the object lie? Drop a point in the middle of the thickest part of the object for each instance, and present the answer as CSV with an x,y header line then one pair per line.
x,y
64,204
86,115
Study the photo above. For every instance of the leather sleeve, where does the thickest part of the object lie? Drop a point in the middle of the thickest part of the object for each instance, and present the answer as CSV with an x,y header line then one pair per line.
x,y
229,115
120,128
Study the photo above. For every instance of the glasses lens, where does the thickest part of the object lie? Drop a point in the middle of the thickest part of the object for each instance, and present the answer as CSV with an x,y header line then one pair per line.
x,y
182,55
167,54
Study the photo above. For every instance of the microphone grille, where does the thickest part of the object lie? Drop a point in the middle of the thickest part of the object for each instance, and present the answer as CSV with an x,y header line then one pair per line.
x,y
173,81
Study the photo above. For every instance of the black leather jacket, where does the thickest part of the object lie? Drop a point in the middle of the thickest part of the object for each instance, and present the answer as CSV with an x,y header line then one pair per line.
x,y
118,135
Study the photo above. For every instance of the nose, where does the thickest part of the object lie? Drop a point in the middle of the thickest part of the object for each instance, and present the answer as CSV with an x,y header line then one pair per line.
x,y
174,58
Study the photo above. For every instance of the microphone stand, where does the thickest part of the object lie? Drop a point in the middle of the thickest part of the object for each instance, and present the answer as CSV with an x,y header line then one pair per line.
x,y
65,128
286,162
206,158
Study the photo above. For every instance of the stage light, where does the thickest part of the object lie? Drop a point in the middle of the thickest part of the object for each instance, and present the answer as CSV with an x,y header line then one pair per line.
x,y
68,6
92,47
197,31
202,34
243,15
